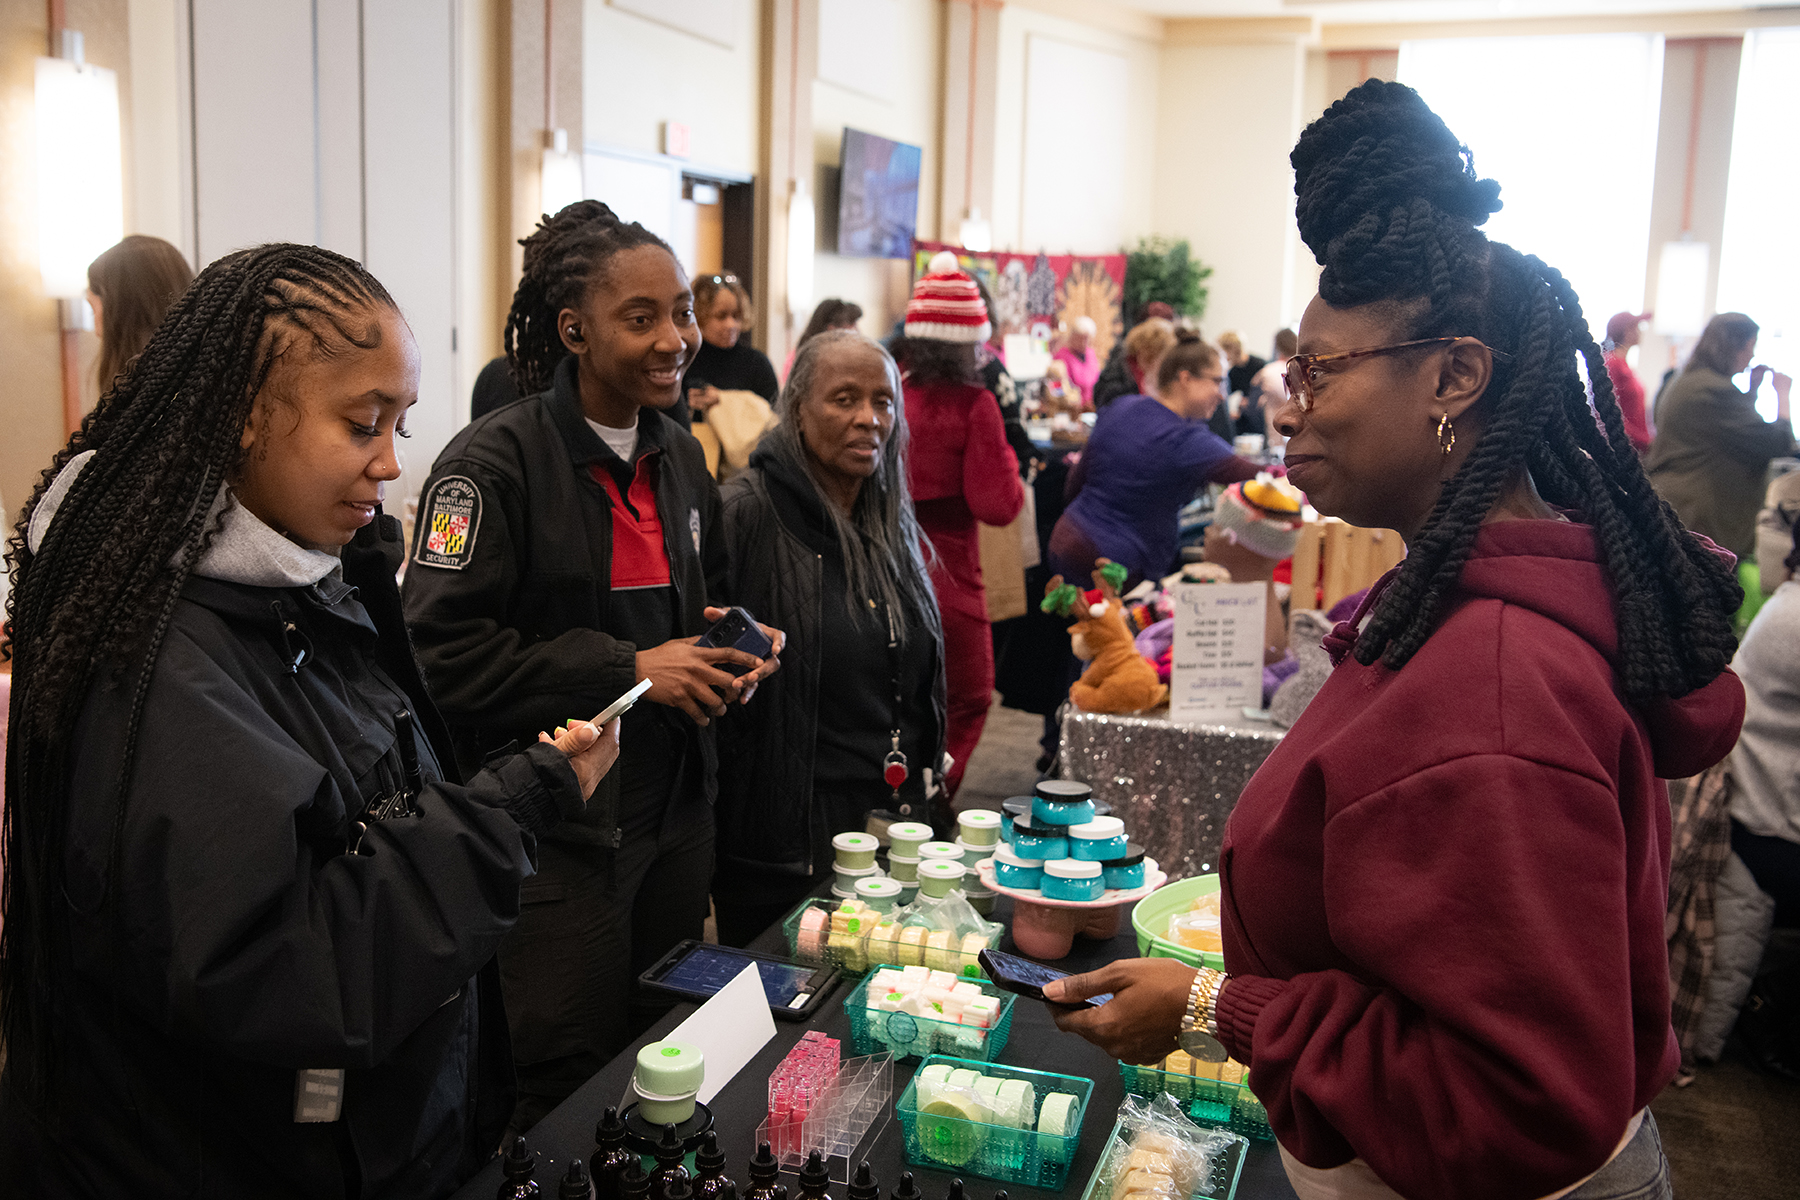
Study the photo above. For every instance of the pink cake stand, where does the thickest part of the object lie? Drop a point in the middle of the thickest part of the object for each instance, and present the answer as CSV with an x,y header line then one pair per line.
x,y
1046,929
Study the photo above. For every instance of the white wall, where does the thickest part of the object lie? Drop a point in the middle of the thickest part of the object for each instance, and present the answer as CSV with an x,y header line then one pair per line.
x,y
638,73
1019,157
904,50
1227,117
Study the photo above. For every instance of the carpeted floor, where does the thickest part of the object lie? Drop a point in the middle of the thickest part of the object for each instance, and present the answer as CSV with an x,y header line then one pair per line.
x,y
1733,1135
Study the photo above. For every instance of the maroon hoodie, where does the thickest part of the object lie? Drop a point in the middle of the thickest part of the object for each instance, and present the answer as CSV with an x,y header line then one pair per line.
x,y
1444,891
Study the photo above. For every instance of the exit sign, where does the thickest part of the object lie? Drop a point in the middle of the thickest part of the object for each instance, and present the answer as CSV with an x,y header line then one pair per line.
x,y
675,139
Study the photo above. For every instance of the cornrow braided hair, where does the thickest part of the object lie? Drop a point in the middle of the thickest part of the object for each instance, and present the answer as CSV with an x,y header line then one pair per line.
x,y
563,256
1389,202
97,596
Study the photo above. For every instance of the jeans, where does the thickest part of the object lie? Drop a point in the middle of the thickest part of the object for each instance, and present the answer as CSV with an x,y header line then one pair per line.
x,y
1640,1172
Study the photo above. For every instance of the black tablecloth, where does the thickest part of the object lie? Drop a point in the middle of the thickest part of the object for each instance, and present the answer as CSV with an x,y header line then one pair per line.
x,y
742,1104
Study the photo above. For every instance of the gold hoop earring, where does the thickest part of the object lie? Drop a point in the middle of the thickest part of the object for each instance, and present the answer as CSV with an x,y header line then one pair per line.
x,y
1446,443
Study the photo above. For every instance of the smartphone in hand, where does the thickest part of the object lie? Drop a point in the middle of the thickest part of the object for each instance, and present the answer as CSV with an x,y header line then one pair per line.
x,y
738,630
1023,977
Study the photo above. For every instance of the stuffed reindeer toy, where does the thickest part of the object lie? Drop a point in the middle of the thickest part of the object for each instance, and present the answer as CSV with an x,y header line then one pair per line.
x,y
1117,679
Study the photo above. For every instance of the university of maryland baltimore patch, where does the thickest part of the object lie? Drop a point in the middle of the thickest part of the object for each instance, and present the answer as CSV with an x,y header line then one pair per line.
x,y
449,519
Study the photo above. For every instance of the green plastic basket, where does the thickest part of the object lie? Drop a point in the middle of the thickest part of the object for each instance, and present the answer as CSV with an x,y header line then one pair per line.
x,y
1220,1183
1151,919
908,1036
1217,1102
1011,1154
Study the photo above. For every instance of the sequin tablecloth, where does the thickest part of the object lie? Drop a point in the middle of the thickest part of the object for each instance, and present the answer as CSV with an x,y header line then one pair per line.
x,y
1173,785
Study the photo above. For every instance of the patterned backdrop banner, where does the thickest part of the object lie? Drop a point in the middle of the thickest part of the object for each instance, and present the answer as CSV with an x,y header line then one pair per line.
x,y
1034,293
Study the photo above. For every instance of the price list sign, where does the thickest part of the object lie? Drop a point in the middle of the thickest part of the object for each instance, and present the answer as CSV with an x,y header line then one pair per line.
x,y
1218,660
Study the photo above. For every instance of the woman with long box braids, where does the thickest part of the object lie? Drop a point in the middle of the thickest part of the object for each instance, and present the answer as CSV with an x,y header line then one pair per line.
x,y
565,551
250,913
1444,893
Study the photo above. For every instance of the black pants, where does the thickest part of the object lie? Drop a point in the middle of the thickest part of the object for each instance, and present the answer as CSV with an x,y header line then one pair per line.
x,y
591,920
1775,864
748,898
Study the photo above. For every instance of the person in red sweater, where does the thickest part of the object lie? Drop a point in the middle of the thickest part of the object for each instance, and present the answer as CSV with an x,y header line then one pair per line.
x,y
961,471
1623,331
1444,892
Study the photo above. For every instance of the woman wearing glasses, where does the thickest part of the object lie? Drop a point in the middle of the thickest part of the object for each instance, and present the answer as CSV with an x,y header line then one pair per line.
x,y
1444,892
727,362
1148,456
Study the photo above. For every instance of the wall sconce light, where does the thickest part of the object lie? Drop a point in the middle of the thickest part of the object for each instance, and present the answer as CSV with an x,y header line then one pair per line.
x,y
562,184
801,234
976,233
80,172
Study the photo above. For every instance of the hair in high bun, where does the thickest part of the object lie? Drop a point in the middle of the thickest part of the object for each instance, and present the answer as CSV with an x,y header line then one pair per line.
x,y
1389,203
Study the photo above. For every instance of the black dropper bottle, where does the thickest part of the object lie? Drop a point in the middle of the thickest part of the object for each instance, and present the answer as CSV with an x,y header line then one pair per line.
x,y
908,1190
669,1155
956,1190
864,1186
610,1157
517,1171
575,1185
678,1187
815,1179
765,1169
634,1181
712,1182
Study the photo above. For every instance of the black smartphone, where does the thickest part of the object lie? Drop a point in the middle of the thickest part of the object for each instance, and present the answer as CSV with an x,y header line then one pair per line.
x,y
1023,977
696,970
738,630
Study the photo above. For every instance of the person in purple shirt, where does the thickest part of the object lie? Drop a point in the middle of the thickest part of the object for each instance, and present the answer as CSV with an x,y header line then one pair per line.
x,y
1147,457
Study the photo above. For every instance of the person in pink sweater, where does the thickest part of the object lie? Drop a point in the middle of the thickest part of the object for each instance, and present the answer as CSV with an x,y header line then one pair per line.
x,y
960,471
1444,892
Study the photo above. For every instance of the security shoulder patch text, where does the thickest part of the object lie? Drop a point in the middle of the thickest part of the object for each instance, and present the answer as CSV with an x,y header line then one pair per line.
x,y
449,519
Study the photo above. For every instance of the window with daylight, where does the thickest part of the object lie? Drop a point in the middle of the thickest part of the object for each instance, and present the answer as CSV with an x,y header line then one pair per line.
x,y
1568,127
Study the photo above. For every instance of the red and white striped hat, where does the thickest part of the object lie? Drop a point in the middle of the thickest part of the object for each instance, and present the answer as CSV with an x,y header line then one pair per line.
x,y
946,305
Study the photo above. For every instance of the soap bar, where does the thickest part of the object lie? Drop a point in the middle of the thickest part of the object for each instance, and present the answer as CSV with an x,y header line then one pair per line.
x,y
950,1128
1058,1118
1018,1103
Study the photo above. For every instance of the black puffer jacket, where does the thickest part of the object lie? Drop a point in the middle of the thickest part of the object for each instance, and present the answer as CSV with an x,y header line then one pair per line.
x,y
764,804
511,625
244,945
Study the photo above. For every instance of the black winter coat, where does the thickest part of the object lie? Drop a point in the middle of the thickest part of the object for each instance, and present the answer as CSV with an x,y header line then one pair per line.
x,y
243,944
512,640
764,805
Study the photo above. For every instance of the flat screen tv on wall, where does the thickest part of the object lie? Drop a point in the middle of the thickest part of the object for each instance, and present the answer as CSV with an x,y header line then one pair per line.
x,y
878,199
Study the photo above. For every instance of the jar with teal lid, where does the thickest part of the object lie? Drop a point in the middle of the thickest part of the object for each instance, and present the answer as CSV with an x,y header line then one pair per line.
x,y
1098,840
1072,879
1038,841
667,1078
1014,870
1125,872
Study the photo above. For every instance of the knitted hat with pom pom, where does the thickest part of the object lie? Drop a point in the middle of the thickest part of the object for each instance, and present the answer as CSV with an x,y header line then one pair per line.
x,y
946,305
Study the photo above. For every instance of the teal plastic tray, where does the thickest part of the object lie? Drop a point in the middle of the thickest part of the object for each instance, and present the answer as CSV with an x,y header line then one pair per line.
x,y
908,1036
1213,1102
1009,1153
1220,1183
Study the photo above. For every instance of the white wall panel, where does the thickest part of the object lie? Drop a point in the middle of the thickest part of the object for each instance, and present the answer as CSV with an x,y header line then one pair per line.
x,y
1076,105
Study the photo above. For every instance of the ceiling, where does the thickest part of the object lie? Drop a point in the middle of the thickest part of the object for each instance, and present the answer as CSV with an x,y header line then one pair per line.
x,y
1379,11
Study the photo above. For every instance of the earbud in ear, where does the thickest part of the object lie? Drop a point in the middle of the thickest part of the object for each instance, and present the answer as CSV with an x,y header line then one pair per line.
x,y
573,333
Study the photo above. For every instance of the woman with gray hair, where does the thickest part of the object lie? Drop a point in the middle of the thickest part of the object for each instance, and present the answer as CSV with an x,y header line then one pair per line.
x,y
821,535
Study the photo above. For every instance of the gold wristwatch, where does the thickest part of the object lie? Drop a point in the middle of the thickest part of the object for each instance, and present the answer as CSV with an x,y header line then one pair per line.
x,y
1200,1027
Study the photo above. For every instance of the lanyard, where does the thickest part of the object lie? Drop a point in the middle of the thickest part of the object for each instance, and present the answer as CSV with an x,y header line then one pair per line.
x,y
893,768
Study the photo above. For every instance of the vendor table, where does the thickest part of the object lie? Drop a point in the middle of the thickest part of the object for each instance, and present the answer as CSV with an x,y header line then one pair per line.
x,y
1173,785
742,1104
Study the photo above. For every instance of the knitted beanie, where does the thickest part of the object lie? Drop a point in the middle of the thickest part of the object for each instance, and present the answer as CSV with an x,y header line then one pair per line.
x,y
946,305
1262,516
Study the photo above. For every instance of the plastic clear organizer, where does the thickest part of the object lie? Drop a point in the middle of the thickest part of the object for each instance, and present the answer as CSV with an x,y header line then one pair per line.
x,y
855,1105
1220,1183
1224,1102
1010,1153
855,958
873,1030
